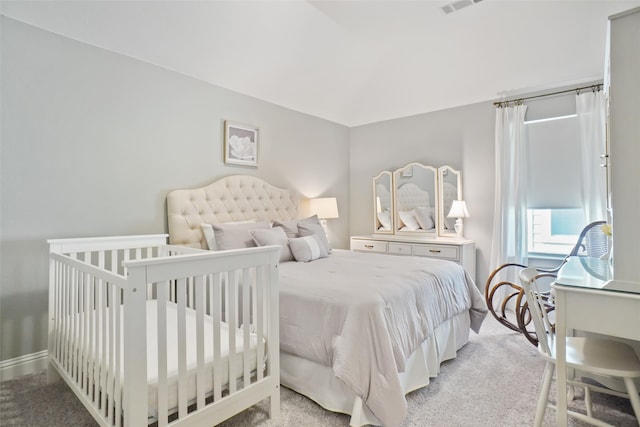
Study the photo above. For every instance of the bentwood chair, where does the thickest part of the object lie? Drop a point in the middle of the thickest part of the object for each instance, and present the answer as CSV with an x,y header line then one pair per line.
x,y
503,294
598,356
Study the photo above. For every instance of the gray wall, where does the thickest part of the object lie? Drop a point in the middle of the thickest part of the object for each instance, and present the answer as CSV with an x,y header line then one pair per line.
x,y
460,137
92,141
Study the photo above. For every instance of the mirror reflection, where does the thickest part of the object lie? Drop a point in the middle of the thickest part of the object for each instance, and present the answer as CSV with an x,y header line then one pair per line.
x,y
383,221
415,199
449,184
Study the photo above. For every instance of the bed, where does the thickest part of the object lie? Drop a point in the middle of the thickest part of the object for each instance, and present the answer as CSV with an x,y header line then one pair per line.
x,y
357,331
147,333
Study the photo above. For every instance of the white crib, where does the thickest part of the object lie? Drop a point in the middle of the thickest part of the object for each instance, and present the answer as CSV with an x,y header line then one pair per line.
x,y
144,332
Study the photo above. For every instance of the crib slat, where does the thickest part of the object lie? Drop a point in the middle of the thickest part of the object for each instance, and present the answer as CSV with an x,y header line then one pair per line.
x,y
181,290
85,313
117,338
110,352
260,322
82,318
200,380
59,280
94,367
163,405
104,350
247,286
114,261
216,313
74,324
233,327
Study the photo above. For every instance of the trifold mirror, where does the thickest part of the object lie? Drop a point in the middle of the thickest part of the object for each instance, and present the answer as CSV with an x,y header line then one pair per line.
x,y
415,200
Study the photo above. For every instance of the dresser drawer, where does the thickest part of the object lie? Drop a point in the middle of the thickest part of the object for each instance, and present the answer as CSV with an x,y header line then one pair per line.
x,y
368,246
437,251
399,248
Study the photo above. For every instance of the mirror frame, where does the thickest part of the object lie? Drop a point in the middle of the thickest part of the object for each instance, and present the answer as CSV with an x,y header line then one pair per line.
x,y
376,222
442,210
397,175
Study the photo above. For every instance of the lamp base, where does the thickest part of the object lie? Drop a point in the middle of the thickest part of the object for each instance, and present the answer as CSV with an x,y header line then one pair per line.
x,y
323,222
459,227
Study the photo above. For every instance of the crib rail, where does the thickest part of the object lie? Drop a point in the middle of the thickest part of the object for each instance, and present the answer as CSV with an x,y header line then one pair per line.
x,y
102,327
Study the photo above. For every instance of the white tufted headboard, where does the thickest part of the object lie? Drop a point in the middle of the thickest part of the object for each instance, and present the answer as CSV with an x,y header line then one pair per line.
x,y
232,198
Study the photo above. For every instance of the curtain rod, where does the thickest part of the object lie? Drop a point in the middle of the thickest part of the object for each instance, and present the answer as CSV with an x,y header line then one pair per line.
x,y
595,87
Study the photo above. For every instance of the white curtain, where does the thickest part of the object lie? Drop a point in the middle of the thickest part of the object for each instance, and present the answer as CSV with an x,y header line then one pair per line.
x,y
510,208
591,112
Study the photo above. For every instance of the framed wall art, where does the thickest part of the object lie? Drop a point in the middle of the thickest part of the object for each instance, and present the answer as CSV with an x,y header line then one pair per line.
x,y
240,144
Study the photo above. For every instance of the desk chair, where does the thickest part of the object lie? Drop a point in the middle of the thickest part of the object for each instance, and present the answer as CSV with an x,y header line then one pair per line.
x,y
598,356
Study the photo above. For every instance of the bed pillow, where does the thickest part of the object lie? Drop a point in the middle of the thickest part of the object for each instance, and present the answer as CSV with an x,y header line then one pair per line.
x,y
273,236
308,229
290,226
209,236
424,216
307,248
236,236
409,220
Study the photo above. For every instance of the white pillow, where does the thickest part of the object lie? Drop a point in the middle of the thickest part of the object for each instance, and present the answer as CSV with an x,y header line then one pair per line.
x,y
307,229
424,216
307,248
384,218
209,236
409,220
236,236
273,236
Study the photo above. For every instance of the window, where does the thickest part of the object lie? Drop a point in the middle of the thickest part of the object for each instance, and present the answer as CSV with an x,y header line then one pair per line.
x,y
553,231
555,214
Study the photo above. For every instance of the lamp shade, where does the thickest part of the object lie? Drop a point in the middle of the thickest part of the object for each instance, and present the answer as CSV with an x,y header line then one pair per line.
x,y
458,210
324,207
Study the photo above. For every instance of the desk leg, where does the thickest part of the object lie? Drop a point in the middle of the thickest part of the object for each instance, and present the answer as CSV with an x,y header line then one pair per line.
x,y
561,359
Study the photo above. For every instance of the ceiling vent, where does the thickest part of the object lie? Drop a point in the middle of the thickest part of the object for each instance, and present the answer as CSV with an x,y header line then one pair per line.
x,y
457,5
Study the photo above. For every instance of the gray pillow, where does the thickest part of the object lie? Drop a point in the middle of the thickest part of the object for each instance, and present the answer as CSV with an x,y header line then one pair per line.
x,y
307,229
236,236
273,236
290,226
307,248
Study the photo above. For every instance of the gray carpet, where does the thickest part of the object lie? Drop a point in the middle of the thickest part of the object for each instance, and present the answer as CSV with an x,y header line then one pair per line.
x,y
494,381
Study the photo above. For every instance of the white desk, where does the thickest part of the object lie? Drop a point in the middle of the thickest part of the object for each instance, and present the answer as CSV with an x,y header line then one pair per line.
x,y
587,300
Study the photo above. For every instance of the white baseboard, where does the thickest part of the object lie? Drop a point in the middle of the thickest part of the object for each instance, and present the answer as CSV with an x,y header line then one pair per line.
x,y
23,365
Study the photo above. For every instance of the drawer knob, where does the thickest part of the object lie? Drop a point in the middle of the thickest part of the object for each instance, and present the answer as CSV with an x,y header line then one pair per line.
x,y
434,251
368,246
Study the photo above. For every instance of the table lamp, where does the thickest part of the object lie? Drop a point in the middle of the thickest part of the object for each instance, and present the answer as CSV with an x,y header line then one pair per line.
x,y
459,211
325,208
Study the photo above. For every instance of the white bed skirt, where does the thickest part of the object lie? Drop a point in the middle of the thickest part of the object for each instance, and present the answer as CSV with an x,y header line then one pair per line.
x,y
319,383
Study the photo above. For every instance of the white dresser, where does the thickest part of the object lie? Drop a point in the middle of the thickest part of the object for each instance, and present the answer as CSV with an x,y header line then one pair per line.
x,y
461,251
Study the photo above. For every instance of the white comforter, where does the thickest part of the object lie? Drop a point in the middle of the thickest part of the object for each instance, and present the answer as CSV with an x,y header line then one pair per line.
x,y
364,314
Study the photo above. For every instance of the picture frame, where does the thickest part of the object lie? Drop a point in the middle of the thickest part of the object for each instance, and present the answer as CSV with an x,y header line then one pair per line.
x,y
240,144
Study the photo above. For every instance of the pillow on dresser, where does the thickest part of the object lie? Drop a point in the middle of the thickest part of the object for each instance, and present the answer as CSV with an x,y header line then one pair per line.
x,y
384,218
236,236
273,236
424,216
307,248
308,229
409,220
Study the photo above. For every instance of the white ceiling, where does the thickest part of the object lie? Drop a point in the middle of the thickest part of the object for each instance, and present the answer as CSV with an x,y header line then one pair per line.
x,y
351,62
